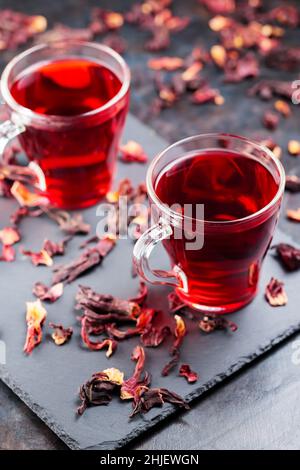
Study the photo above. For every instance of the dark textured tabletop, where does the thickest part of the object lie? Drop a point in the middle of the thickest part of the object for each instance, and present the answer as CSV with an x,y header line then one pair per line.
x,y
257,408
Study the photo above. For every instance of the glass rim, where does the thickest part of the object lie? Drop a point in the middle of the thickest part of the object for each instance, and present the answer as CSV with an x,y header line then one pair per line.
x,y
20,109
177,217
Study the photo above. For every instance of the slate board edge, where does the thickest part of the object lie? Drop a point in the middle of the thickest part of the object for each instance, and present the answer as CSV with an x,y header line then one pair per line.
x,y
166,411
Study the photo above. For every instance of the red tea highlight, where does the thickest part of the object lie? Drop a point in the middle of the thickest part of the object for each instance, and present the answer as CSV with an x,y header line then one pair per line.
x,y
78,159
231,187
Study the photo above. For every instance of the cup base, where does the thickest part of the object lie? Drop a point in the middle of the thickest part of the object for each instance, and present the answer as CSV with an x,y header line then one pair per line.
x,y
214,309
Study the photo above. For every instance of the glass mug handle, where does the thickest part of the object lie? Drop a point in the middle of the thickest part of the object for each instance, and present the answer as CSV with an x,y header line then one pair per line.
x,y
32,174
142,252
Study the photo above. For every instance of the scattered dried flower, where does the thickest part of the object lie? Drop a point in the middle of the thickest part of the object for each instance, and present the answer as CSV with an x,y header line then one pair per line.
x,y
9,236
283,108
61,335
45,293
166,63
288,255
294,147
292,183
132,152
35,318
270,120
211,323
275,293
293,214
185,371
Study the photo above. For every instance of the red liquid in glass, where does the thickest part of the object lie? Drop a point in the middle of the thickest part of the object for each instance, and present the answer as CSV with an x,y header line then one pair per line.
x,y
78,160
223,275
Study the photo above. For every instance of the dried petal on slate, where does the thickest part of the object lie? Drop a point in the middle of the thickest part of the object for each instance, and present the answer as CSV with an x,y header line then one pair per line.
x,y
272,145
45,293
55,248
142,295
132,151
179,332
284,58
61,335
17,28
112,331
9,236
166,63
185,371
153,337
241,68
283,108
37,258
270,120
171,364
88,259
35,318
110,344
275,293
70,224
8,253
219,6
99,389
105,20
62,32
219,55
266,89
219,22
131,386
27,198
116,42
294,147
293,214
211,323
207,95
288,255
292,183
153,397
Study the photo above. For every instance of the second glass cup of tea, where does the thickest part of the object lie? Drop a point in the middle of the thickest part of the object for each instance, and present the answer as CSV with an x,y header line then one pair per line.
x,y
215,202
67,102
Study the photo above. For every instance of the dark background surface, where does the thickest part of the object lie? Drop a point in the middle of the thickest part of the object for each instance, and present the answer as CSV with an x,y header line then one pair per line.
x,y
258,408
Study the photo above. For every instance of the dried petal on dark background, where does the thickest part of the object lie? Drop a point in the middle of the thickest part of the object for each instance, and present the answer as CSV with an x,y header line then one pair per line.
x,y
9,236
175,303
46,293
110,344
35,318
219,6
171,364
55,248
153,337
293,214
61,32
27,198
152,397
8,253
132,151
185,371
166,63
116,42
17,28
38,258
283,108
241,68
275,293
294,147
266,89
288,255
284,58
211,323
61,335
132,386
206,94
270,120
292,183
70,224
99,389
87,260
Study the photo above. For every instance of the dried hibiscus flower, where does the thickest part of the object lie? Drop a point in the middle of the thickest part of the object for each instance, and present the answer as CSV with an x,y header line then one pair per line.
x,y
37,258
293,214
153,397
179,332
166,63
292,183
132,152
99,389
35,318
9,236
105,20
88,259
270,120
266,89
70,224
219,6
288,255
50,294
27,198
185,371
275,293
8,253
61,335
211,323
294,147
283,108
17,28
131,388
87,329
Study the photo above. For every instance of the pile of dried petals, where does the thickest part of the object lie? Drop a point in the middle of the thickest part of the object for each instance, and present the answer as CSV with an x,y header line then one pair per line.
x,y
100,388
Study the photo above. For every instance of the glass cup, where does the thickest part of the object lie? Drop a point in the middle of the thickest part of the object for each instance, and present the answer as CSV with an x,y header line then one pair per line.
x,y
72,157
215,263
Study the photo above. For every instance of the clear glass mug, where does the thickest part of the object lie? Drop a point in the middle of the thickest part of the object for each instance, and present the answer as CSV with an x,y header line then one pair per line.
x,y
220,274
72,157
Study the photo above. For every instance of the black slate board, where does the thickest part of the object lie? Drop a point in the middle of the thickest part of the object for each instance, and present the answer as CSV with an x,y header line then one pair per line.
x,y
48,381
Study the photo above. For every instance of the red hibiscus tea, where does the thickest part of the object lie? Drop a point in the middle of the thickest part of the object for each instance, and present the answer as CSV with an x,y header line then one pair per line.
x,y
77,141
223,274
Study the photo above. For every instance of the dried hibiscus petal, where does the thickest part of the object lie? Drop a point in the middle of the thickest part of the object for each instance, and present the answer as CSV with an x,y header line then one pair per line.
x,y
270,120
179,332
88,259
288,255
132,152
116,42
37,258
99,389
62,32
219,6
61,335
70,224
131,387
185,371
9,236
166,63
266,89
206,95
241,68
292,183
8,253
275,293
110,344
35,318
294,147
293,214
211,323
51,294
283,108
153,397
27,198
17,28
